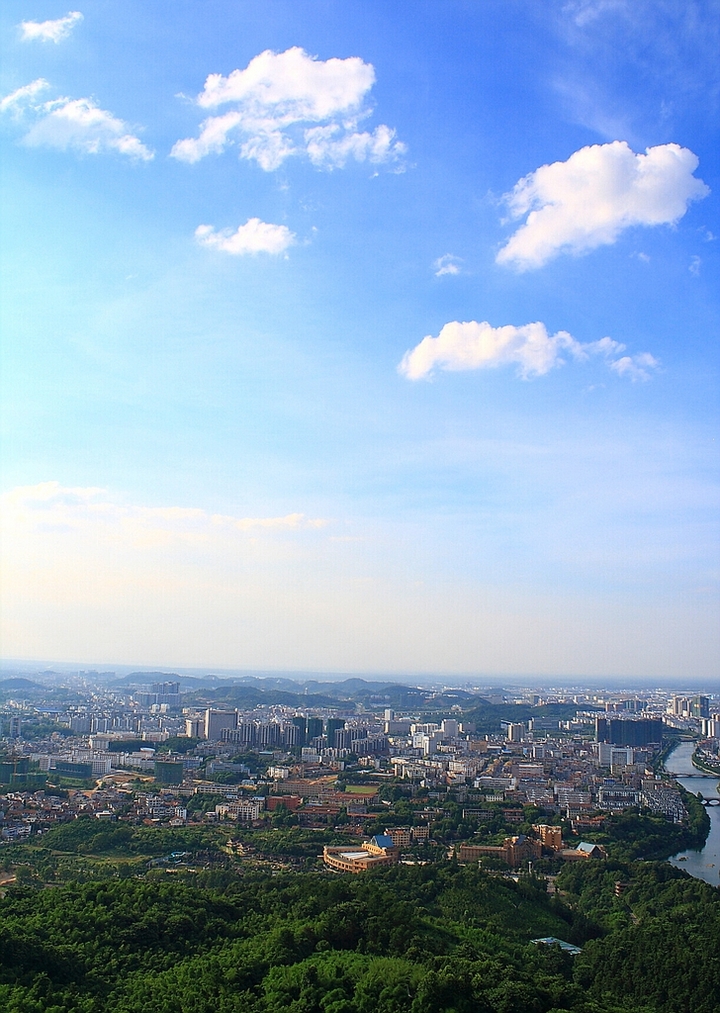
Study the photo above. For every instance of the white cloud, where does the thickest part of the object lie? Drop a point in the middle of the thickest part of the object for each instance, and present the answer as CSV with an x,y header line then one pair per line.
x,y
252,237
291,103
447,264
82,125
584,12
23,98
78,124
328,147
50,506
50,31
635,367
695,265
473,345
587,201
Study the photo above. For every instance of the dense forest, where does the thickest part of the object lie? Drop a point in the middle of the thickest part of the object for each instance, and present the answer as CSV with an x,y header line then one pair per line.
x,y
410,939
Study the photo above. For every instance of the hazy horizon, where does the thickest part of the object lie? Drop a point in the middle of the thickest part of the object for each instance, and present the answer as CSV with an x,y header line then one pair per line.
x,y
489,680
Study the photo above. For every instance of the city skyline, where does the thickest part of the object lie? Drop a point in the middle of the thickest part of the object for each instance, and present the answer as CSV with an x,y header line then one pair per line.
x,y
348,341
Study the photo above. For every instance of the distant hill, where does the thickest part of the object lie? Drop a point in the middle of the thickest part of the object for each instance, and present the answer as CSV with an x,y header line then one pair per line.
x,y
251,691
245,697
187,682
19,683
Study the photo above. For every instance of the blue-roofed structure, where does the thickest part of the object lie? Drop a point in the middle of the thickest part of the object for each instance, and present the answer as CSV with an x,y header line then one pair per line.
x,y
554,941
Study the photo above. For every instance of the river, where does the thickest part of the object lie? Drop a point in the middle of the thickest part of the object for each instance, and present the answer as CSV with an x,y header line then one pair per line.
x,y
703,864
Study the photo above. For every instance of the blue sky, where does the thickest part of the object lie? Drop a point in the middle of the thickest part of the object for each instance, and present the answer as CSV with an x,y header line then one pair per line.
x,y
390,347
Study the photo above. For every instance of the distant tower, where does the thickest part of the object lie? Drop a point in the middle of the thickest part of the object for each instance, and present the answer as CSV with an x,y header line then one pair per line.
x,y
300,723
314,728
333,725
516,732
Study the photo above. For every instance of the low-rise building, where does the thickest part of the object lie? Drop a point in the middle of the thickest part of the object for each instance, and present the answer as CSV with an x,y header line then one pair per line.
x,y
550,836
514,851
244,810
583,851
378,851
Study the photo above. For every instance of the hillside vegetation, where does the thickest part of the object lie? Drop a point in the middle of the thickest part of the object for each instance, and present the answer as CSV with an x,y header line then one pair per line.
x,y
411,939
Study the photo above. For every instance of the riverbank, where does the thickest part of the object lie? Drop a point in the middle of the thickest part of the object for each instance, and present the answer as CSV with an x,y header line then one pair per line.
x,y
701,863
707,768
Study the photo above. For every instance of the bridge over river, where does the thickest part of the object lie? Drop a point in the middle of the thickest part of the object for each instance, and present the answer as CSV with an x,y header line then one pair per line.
x,y
704,863
715,777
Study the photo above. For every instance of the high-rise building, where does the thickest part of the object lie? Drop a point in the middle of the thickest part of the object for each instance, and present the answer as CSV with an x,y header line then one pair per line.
x,y
14,726
300,722
168,771
166,688
333,724
700,707
80,724
680,706
516,732
216,721
269,734
314,728
13,769
194,728
341,739
629,731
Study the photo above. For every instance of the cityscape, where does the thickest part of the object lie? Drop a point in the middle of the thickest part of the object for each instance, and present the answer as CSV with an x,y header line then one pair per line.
x,y
359,503
141,752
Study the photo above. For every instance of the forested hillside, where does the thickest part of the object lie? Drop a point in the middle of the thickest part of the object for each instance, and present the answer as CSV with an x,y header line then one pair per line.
x,y
410,939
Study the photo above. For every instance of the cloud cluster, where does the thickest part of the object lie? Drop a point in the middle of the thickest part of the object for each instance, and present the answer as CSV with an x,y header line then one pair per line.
x,y
473,345
636,367
49,506
591,198
447,264
78,124
252,237
50,31
290,103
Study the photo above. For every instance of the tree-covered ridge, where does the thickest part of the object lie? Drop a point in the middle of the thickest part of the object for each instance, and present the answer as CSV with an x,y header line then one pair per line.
x,y
663,947
411,939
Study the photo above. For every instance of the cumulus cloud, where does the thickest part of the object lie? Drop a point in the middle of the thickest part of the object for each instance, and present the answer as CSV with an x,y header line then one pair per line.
x,y
50,506
635,367
587,201
22,99
50,31
252,237
447,264
77,124
289,104
473,345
